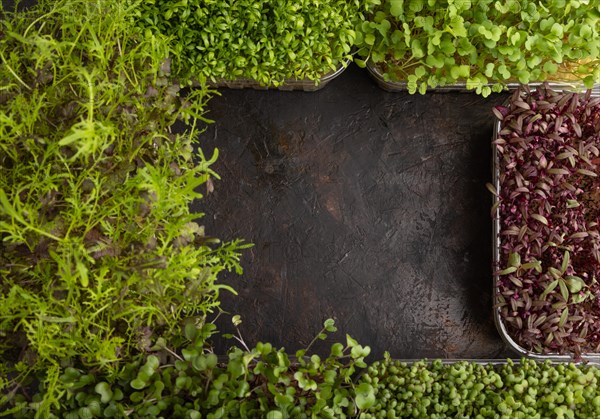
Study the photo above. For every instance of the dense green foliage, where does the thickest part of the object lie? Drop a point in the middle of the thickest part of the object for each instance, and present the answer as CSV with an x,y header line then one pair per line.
x,y
262,40
99,253
194,382
106,278
484,43
528,389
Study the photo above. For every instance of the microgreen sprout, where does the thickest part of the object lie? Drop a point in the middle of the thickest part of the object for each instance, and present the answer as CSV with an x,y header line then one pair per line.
x,y
183,378
472,389
99,252
261,40
484,44
548,207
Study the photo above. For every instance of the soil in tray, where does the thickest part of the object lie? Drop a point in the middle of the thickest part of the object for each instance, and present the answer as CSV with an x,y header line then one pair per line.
x,y
365,206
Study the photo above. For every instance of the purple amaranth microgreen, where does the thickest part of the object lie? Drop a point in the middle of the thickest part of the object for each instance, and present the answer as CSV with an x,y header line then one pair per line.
x,y
548,204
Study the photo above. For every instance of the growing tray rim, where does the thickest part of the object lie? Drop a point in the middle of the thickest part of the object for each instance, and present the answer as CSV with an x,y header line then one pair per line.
x,y
305,85
402,86
491,361
592,357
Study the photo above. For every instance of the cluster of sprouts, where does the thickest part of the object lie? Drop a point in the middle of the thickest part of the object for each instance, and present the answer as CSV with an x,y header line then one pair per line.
x,y
548,201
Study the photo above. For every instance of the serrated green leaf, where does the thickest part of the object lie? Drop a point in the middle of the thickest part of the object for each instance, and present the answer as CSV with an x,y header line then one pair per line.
x,y
420,71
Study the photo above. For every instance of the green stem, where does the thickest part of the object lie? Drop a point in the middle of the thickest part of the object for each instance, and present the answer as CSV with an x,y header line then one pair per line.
x,y
13,73
312,342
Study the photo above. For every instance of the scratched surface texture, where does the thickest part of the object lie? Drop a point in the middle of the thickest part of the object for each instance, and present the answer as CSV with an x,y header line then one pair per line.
x,y
365,206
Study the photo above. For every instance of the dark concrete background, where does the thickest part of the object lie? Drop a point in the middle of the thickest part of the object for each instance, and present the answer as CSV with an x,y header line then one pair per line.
x,y
366,206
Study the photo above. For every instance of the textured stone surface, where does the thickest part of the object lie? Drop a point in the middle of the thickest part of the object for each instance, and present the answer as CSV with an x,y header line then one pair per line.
x,y
365,206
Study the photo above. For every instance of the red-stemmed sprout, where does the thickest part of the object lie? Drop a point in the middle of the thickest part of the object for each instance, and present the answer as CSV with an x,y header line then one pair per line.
x,y
549,209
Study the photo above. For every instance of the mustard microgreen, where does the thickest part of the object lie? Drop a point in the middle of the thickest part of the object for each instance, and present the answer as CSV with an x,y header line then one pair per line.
x,y
190,381
485,44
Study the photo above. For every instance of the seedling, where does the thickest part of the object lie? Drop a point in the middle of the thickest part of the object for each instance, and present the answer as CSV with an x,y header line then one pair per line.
x,y
548,153
484,44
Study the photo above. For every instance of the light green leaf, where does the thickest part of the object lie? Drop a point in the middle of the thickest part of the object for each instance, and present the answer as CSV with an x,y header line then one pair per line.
x,y
549,289
565,262
574,283
365,396
417,48
397,8
105,392
420,71
550,67
564,291
337,349
557,30
384,27
350,342
563,317
329,325
509,270
274,414
514,259
360,63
